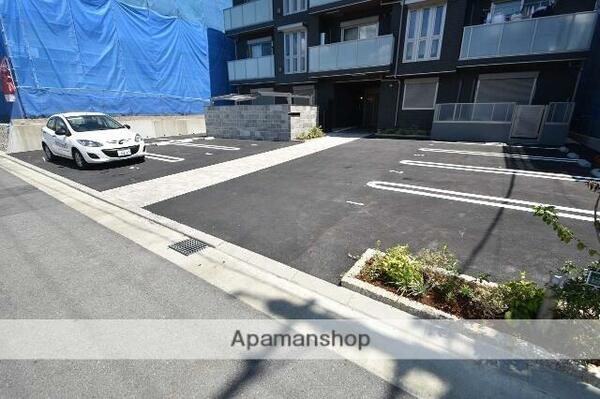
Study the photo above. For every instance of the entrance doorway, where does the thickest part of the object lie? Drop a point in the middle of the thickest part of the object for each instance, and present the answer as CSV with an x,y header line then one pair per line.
x,y
356,104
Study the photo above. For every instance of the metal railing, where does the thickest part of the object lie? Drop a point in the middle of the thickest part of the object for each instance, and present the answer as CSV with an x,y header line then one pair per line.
x,y
474,112
251,68
247,14
554,34
351,54
559,113
316,3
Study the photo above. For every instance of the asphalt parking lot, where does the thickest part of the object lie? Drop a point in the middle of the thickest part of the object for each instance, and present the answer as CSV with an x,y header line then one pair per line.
x,y
312,212
165,157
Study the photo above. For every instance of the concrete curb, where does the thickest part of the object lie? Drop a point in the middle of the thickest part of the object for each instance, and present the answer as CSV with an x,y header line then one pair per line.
x,y
422,311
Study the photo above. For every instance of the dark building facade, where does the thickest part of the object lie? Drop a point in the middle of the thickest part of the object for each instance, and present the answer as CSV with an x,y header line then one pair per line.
x,y
388,64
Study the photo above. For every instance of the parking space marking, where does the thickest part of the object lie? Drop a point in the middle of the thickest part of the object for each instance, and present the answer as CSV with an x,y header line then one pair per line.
x,y
190,143
500,155
498,202
496,144
209,146
355,203
500,171
163,158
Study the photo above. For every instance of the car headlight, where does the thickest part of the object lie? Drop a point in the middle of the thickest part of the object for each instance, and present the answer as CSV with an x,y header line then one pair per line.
x,y
138,138
89,143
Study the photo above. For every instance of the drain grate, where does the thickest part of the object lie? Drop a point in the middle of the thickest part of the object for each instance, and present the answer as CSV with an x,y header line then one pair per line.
x,y
189,246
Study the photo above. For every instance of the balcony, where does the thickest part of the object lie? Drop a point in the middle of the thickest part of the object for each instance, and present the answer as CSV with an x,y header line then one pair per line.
x,y
547,35
248,14
251,68
365,53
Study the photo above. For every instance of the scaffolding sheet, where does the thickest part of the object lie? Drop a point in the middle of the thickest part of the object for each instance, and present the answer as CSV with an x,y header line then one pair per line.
x,y
108,56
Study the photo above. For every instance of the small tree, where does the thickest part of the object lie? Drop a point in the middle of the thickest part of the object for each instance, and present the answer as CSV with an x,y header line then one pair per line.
x,y
576,298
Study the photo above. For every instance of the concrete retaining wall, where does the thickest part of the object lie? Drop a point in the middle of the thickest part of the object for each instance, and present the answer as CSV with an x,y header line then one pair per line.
x,y
260,122
25,134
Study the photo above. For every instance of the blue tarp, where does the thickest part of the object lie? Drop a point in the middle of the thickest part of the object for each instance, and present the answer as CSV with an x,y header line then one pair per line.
x,y
105,55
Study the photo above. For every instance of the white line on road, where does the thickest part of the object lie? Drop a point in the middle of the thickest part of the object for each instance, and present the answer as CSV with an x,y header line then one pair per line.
x,y
355,203
500,171
209,146
398,172
500,155
499,202
163,158
496,144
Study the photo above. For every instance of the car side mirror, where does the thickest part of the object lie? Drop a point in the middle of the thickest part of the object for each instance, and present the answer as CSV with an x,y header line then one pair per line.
x,y
60,131
127,126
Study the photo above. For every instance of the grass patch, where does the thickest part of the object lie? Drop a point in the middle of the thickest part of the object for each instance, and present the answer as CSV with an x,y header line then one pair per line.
x,y
312,133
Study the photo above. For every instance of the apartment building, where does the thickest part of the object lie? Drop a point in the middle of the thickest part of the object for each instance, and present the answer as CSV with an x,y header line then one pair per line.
x,y
407,64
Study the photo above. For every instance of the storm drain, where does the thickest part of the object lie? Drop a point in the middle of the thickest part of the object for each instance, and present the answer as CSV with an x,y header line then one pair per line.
x,y
189,246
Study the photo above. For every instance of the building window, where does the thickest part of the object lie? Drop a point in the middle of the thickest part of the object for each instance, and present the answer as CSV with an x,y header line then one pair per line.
x,y
260,47
420,94
365,28
293,6
506,88
294,43
424,33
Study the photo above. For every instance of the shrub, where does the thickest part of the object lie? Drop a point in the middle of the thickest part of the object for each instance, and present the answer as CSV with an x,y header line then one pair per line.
x,y
312,133
441,258
522,297
399,268
576,299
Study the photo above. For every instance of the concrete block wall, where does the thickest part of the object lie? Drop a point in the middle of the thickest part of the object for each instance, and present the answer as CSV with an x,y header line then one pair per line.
x,y
279,122
4,137
307,119
25,134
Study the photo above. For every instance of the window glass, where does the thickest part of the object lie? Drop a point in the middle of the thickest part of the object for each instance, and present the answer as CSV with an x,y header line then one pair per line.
x,y
420,94
350,33
505,89
51,124
424,22
59,123
295,51
437,26
86,123
424,33
412,24
293,6
369,31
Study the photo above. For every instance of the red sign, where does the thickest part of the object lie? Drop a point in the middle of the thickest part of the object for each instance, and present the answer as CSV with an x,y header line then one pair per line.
x,y
8,83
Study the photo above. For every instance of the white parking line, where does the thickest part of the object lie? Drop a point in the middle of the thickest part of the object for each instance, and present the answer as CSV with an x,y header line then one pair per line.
x,y
355,203
496,144
500,155
500,171
209,146
163,158
498,202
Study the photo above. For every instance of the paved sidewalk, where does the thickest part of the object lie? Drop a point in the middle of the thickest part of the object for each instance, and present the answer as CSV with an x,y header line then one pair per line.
x,y
56,263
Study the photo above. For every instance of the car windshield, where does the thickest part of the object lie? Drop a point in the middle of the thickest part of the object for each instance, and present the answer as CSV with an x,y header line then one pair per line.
x,y
86,123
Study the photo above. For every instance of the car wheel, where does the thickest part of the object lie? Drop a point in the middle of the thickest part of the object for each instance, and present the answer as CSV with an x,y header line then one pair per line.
x,y
79,160
48,155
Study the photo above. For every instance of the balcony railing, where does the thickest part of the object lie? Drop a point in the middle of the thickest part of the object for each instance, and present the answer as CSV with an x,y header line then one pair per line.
x,y
475,112
316,3
546,35
248,14
251,68
352,54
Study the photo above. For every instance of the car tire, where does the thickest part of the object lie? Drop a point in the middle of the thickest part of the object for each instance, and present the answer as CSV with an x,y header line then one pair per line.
x,y
79,160
48,155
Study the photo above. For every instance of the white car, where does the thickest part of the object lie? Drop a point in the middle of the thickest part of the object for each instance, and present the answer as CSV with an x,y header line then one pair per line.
x,y
90,137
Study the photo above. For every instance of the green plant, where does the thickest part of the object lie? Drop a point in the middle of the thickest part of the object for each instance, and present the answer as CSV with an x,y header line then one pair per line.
x,y
466,291
522,297
441,258
488,302
397,267
576,299
312,133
